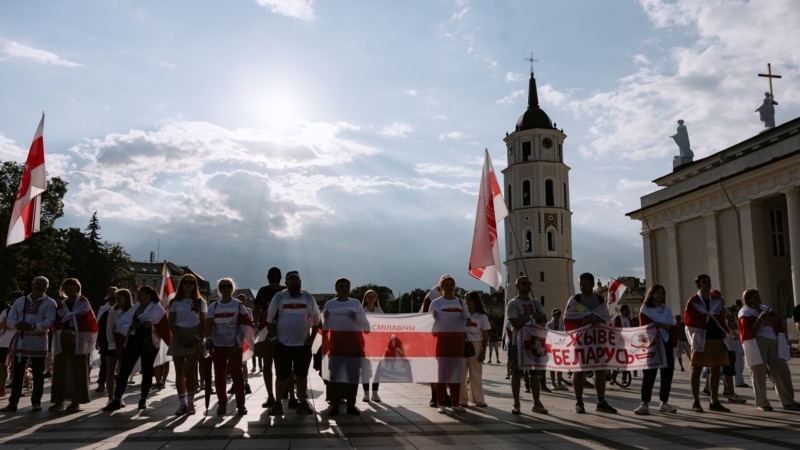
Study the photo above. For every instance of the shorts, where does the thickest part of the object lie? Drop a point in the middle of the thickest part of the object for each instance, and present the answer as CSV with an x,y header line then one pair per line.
x,y
290,360
512,359
715,354
3,355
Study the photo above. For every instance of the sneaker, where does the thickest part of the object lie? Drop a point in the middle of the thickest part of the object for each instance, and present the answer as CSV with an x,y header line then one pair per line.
x,y
696,406
242,411
605,407
353,411
9,408
579,408
539,408
481,405
365,398
190,409
765,408
181,410
58,407
231,390
375,397
527,390
717,406
736,399
142,403
100,389
642,410
73,407
459,409
705,391
304,408
36,407
222,410
433,403
546,389
791,407
276,409
667,408
268,404
247,389
743,385
515,410
292,403
560,387
442,410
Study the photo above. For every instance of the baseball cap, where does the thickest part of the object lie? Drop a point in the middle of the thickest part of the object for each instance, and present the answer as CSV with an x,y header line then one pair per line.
x,y
292,274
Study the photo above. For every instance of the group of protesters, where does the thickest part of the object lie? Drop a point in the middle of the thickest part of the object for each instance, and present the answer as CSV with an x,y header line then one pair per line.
x,y
192,334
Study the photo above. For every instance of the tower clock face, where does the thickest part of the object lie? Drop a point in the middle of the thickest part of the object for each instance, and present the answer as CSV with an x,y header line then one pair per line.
x,y
547,142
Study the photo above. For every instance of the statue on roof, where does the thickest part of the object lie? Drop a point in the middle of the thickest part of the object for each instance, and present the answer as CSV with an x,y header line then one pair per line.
x,y
681,137
766,111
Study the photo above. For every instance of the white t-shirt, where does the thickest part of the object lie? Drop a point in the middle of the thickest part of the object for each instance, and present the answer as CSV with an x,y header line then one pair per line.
x,y
378,310
518,308
226,323
184,316
476,325
451,315
296,316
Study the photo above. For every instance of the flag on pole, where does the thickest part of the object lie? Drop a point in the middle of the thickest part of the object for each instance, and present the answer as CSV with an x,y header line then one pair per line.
x,y
167,288
484,260
27,213
615,291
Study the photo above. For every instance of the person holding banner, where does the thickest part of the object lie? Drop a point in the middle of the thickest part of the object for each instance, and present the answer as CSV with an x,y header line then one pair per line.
x,y
556,323
370,305
450,316
706,328
587,308
655,311
521,310
344,324
478,334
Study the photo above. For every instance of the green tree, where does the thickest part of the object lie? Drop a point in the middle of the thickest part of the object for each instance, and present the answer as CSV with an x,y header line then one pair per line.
x,y
384,293
40,254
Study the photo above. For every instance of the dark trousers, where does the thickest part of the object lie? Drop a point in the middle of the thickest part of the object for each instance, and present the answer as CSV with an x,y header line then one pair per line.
x,y
101,376
135,350
649,379
37,367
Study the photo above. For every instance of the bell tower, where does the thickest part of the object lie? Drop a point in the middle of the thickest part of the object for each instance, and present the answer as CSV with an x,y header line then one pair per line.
x,y
539,222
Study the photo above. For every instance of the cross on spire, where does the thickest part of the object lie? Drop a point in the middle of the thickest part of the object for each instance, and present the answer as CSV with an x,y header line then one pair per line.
x,y
531,60
768,75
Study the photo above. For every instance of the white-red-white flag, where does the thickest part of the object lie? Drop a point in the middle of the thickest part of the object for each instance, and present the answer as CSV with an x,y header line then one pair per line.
x,y
484,260
615,291
167,288
27,213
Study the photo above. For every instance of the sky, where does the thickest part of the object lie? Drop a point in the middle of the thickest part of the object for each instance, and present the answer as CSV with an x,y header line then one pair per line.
x,y
346,137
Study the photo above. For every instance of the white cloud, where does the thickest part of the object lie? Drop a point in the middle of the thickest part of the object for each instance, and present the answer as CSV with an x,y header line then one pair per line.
x,y
513,98
449,170
410,92
13,50
298,9
451,136
640,186
512,77
9,151
396,129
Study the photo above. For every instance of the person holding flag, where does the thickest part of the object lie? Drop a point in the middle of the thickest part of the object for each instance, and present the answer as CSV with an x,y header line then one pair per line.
x,y
484,259
587,308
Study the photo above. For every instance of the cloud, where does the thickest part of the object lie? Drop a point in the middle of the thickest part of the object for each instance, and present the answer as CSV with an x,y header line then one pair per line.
x,y
512,77
9,151
13,50
640,186
451,136
410,92
396,129
298,9
513,98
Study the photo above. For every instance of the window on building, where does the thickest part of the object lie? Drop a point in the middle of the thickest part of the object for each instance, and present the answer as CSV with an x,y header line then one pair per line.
x,y
541,276
526,193
566,202
528,241
526,151
778,236
549,193
508,195
551,240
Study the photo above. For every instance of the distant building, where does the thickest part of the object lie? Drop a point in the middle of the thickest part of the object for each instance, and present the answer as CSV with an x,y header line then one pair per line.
x,y
151,274
633,295
539,223
734,215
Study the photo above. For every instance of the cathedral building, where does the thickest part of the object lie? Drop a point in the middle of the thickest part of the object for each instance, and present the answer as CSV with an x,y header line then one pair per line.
x,y
539,222
734,215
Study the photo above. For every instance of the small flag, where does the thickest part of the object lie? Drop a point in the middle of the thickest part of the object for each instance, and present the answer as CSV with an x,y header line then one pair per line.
x,y
484,260
27,213
167,288
615,291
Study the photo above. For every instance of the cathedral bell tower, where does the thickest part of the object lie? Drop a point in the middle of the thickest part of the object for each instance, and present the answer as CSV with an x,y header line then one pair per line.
x,y
539,223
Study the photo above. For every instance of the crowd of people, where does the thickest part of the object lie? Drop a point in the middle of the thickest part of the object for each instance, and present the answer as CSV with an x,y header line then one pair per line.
x,y
147,332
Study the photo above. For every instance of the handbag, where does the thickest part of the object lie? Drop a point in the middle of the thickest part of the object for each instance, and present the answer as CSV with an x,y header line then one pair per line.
x,y
469,349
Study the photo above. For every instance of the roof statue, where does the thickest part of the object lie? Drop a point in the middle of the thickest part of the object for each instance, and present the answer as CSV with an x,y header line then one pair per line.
x,y
681,138
766,111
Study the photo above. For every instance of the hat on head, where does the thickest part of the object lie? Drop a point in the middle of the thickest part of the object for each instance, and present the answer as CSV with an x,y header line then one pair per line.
x,y
556,311
292,274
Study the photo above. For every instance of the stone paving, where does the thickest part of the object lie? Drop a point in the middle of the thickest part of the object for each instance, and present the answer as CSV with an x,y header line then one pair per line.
x,y
404,420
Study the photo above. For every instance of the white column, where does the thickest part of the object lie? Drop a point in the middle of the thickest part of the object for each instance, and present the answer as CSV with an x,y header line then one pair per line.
x,y
649,263
674,288
793,216
712,248
753,251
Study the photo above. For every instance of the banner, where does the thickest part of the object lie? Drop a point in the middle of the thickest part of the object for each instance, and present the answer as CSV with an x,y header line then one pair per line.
x,y
397,348
598,347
